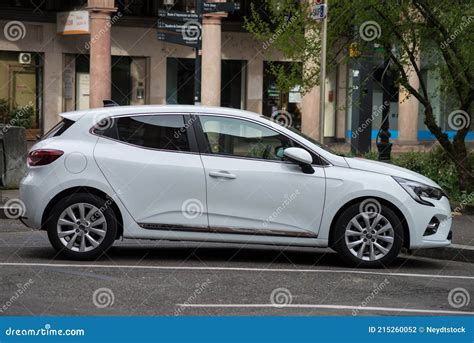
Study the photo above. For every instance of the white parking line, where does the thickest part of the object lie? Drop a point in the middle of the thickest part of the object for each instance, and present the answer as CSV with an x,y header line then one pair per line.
x,y
277,270
332,307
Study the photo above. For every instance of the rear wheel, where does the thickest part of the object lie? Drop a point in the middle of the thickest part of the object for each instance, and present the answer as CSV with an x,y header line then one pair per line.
x,y
82,226
368,235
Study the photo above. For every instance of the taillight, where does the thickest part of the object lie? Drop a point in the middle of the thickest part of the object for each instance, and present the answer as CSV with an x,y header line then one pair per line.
x,y
42,157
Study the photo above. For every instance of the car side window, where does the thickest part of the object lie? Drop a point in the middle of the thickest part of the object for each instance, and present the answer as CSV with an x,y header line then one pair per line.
x,y
164,132
241,138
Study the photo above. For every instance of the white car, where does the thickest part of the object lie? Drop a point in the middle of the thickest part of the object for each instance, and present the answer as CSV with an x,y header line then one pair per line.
x,y
187,173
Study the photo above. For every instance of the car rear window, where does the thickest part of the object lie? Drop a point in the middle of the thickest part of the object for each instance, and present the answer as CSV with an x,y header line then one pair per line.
x,y
58,129
164,132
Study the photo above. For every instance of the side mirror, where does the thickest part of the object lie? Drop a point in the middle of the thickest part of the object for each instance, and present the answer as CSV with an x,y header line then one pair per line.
x,y
301,157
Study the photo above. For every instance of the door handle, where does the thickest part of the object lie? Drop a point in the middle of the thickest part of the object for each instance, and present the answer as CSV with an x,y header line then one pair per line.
x,y
223,174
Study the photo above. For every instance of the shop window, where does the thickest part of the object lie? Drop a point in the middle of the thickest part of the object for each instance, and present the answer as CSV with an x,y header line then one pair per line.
x,y
121,81
180,82
233,80
20,75
279,104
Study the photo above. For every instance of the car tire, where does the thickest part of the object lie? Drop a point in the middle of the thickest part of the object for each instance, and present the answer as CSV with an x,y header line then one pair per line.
x,y
82,226
368,235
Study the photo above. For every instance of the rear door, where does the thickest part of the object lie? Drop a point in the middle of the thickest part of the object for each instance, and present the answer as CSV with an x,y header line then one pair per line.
x,y
151,162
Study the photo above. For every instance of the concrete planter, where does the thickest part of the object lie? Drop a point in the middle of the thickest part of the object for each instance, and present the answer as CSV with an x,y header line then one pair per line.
x,y
13,152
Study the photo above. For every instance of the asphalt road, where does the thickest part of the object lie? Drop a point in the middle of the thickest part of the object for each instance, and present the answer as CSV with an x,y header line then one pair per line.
x,y
158,278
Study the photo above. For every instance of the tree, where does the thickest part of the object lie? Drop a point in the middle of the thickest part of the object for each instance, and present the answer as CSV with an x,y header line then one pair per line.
x,y
441,32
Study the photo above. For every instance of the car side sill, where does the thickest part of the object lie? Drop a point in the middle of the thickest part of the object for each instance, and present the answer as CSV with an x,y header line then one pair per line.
x,y
227,230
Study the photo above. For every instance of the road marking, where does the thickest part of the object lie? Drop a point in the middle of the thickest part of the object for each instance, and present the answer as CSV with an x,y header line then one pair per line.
x,y
318,306
278,270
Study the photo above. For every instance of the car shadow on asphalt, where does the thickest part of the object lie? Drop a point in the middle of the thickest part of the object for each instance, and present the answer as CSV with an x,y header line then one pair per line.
x,y
219,255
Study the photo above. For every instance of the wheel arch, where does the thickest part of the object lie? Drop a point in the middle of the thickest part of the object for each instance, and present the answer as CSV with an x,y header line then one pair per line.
x,y
395,209
83,189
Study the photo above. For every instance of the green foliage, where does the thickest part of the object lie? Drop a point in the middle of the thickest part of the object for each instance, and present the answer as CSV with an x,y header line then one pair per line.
x,y
22,116
439,33
437,166
3,110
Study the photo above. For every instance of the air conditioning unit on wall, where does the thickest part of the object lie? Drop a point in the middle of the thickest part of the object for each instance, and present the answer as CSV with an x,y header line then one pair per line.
x,y
24,58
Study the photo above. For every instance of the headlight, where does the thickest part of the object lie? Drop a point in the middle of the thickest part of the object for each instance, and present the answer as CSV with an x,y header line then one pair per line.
x,y
418,190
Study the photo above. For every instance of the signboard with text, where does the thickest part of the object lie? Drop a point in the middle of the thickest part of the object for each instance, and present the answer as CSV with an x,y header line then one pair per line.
x,y
72,23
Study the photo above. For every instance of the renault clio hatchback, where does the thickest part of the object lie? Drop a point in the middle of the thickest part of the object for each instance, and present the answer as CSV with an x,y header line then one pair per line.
x,y
187,173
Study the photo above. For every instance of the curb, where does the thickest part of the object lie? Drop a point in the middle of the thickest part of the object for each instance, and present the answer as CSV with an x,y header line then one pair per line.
x,y
454,252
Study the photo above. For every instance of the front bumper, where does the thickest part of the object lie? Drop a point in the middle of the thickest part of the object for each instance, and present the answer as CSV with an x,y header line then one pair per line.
x,y
422,216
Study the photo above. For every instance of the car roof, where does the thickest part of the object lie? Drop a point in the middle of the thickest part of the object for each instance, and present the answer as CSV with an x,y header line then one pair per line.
x,y
156,109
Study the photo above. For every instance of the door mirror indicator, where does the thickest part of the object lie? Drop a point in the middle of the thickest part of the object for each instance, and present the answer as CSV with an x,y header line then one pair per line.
x,y
301,157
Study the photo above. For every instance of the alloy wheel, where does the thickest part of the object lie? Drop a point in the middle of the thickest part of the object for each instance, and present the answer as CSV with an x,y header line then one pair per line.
x,y
81,227
369,236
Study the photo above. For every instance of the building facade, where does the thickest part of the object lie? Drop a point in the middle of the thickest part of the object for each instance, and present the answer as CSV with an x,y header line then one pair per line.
x,y
68,55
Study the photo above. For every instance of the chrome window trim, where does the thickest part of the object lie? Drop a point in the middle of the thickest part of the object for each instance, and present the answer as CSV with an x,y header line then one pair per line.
x,y
328,164
270,128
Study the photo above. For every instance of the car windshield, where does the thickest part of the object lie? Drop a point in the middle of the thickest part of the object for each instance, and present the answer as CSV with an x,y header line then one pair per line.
x,y
301,134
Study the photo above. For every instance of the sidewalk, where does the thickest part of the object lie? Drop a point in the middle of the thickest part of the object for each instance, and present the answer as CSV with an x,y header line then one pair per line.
x,y
461,249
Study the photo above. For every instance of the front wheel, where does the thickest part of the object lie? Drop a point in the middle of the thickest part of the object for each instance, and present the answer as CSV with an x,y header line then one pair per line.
x,y
368,234
82,226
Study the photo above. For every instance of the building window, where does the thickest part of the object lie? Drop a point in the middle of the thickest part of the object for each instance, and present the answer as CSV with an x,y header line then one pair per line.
x,y
180,82
280,105
20,95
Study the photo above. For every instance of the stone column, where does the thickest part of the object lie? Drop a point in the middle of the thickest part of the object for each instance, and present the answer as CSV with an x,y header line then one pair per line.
x,y
255,85
408,107
211,59
341,103
100,55
310,113
53,69
157,67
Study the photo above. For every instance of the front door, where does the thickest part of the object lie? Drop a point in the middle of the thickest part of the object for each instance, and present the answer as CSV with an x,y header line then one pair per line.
x,y
250,188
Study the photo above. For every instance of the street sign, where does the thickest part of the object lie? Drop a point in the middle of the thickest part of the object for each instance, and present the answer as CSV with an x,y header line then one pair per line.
x,y
171,23
210,7
319,11
179,39
174,27
177,15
